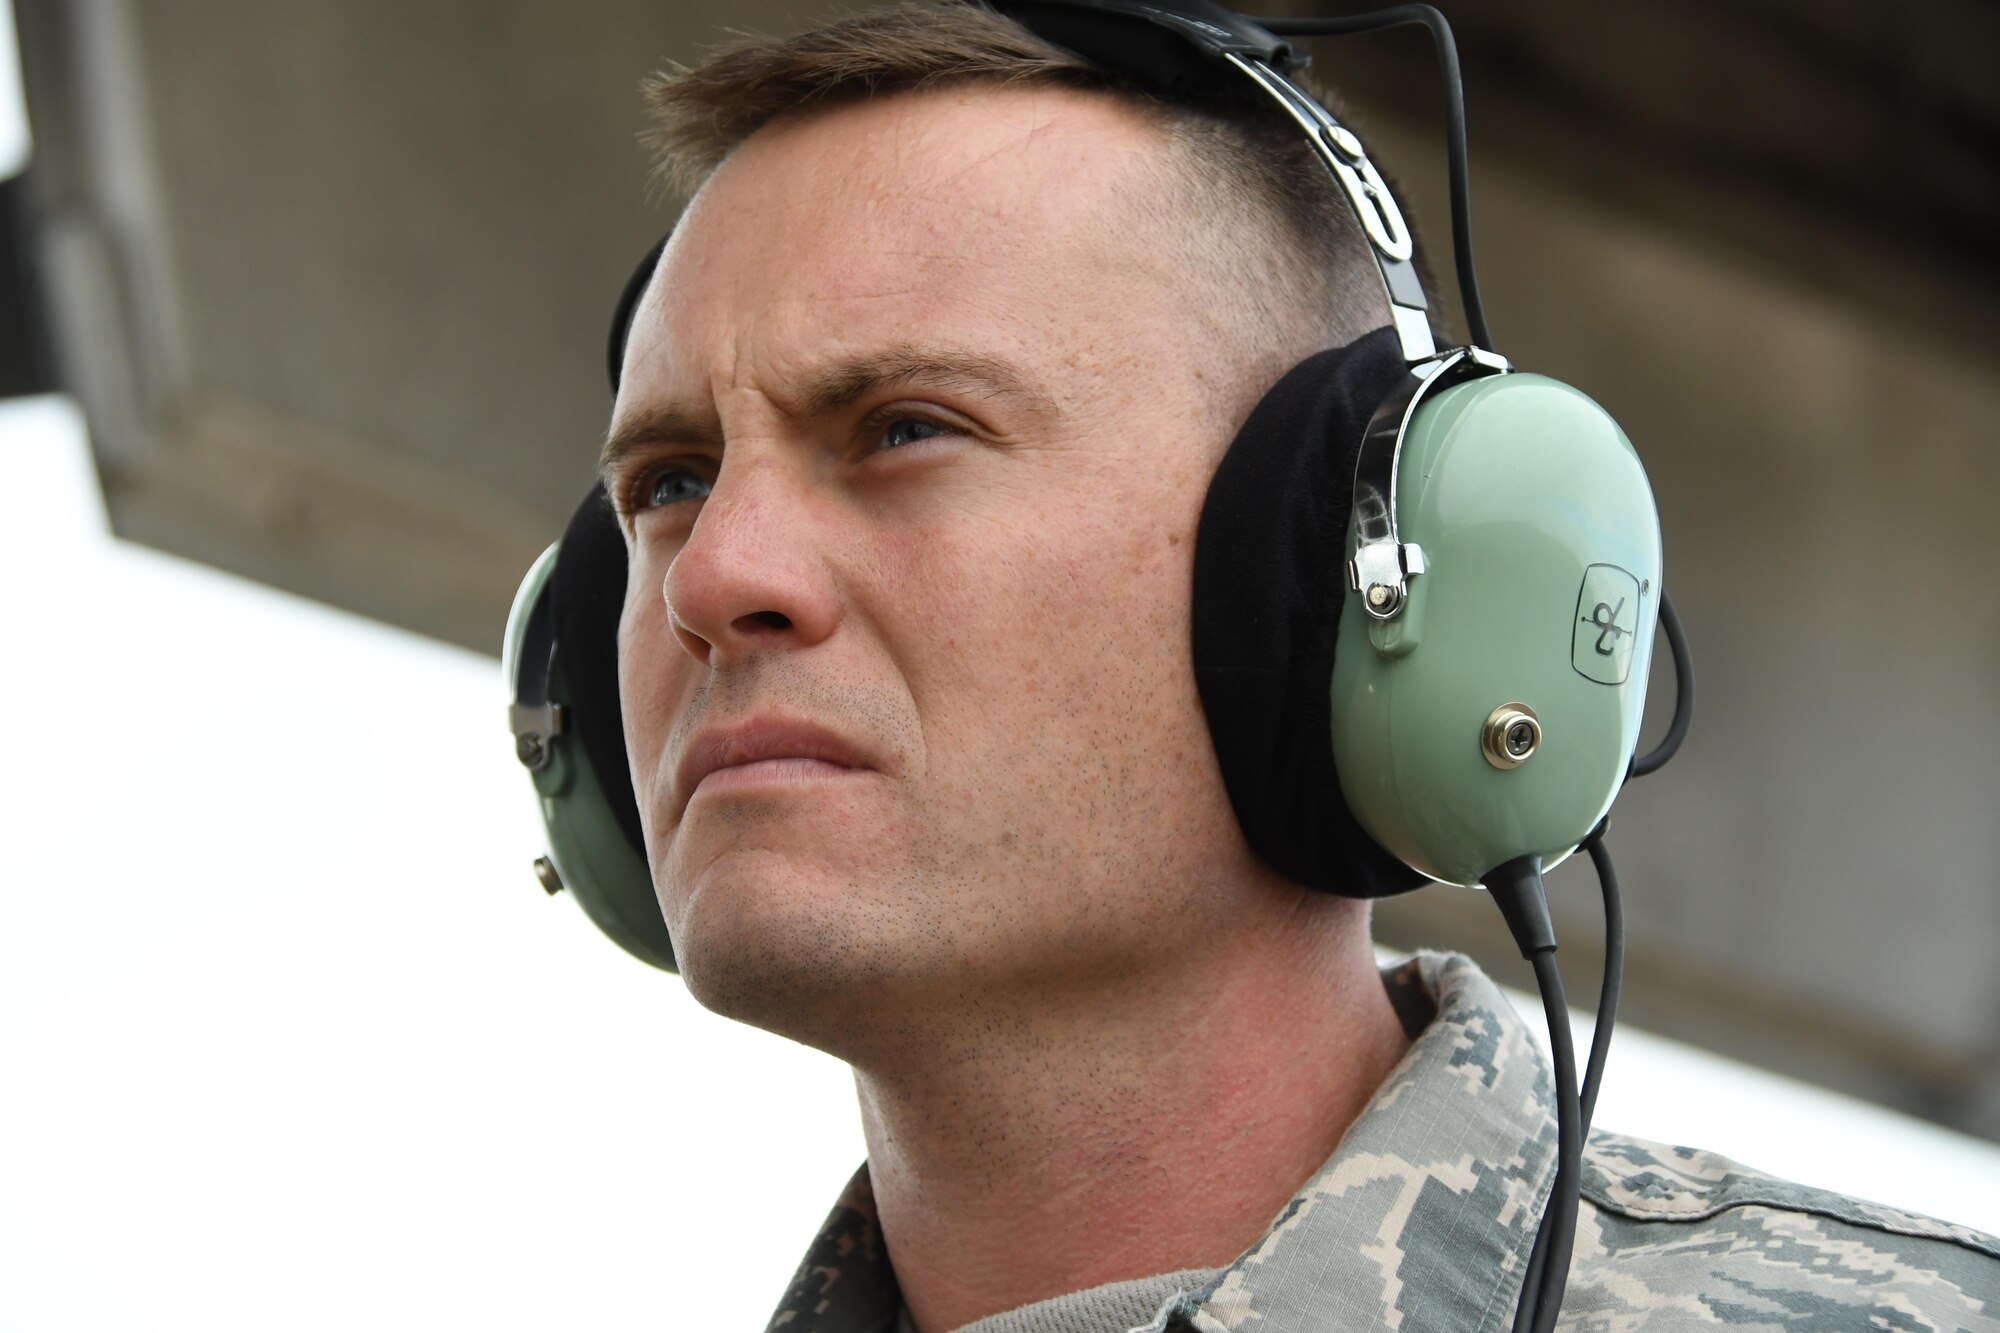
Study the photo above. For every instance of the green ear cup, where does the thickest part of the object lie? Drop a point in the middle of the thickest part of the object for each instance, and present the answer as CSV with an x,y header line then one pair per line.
x,y
1494,714
588,849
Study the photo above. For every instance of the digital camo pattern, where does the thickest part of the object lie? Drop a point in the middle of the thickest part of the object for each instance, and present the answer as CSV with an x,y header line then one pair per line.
x,y
1424,1217
845,1281
1684,1239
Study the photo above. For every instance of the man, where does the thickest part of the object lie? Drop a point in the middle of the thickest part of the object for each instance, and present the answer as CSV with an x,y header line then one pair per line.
x,y
915,425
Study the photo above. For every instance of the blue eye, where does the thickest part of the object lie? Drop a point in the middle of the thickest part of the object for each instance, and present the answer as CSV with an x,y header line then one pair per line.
x,y
674,485
909,430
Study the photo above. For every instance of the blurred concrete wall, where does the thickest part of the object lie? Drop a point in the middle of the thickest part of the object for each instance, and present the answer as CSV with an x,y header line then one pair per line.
x,y
331,283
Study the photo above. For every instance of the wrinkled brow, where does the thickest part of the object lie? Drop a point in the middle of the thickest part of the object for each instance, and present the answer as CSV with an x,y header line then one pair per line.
x,y
846,383
670,423
833,389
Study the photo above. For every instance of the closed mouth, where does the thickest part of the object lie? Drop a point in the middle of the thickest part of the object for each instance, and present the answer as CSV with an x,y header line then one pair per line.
x,y
769,750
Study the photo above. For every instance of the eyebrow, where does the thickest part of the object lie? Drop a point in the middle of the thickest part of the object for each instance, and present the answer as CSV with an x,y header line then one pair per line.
x,y
846,383
833,389
668,424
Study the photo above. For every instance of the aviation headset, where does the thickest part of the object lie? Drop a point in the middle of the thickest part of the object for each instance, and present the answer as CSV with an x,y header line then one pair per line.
x,y
1425,594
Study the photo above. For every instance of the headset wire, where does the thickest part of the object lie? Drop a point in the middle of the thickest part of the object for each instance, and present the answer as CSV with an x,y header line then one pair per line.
x,y
1517,890
1614,971
1458,158
1559,1220
1677,644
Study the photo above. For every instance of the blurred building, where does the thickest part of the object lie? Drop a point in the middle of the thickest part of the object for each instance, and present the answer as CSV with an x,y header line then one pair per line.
x,y
331,283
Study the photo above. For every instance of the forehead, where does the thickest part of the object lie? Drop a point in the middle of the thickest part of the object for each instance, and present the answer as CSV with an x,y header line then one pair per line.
x,y
1020,217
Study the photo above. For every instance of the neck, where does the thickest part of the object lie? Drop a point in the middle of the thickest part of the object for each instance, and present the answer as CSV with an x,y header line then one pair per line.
x,y
1160,1124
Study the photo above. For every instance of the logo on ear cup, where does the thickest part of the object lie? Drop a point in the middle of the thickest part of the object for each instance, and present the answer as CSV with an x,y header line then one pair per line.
x,y
1607,622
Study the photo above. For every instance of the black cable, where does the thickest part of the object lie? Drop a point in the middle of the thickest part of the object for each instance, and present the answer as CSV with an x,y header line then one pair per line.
x,y
1614,972
1601,1041
1677,730
1517,890
1542,1288
1559,1219
1457,156
1529,1306
1547,1279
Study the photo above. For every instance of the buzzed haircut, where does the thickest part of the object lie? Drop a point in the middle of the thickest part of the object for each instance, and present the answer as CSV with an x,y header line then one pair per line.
x,y
1291,233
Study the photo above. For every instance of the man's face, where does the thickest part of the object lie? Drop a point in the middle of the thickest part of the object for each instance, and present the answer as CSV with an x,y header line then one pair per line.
x,y
919,413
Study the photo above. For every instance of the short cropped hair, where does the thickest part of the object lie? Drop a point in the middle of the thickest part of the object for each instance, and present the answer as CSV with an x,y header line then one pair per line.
x,y
1251,169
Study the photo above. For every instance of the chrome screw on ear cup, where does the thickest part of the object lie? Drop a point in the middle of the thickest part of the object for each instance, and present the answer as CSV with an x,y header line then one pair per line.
x,y
1511,736
534,725
545,871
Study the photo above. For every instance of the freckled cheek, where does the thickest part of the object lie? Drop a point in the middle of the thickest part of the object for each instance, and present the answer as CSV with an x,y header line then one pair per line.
x,y
1123,566
1046,607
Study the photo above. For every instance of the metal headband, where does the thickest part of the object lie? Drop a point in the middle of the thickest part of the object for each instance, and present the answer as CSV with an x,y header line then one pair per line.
x,y
1367,194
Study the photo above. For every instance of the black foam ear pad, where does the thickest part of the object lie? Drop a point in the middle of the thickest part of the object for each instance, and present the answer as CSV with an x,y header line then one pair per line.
x,y
1269,579
589,596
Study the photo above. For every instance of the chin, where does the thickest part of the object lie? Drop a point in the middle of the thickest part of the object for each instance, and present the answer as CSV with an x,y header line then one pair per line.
x,y
800,949
864,964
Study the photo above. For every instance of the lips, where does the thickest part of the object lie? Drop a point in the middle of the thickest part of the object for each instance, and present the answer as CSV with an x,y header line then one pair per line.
x,y
754,741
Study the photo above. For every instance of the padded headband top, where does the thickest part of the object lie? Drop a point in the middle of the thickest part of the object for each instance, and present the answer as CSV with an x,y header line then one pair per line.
x,y
1170,48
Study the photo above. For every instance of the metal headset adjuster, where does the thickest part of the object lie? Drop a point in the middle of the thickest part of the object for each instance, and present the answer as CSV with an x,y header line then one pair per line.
x,y
1382,563
535,719
534,726
1340,150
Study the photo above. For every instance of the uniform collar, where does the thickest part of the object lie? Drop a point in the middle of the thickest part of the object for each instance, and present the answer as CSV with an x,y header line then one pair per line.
x,y
1422,1218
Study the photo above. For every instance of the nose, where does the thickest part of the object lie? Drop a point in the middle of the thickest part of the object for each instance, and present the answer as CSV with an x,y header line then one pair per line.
x,y
752,575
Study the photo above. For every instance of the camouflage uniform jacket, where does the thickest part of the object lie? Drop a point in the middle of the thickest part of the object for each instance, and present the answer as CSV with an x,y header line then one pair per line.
x,y
1424,1217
